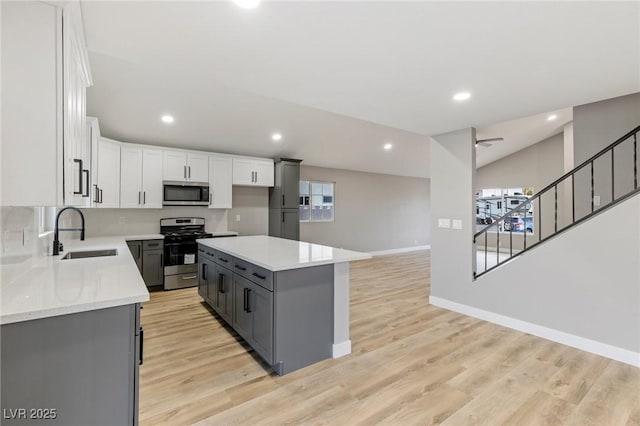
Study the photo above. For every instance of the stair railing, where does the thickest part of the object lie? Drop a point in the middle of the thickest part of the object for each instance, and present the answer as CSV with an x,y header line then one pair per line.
x,y
528,218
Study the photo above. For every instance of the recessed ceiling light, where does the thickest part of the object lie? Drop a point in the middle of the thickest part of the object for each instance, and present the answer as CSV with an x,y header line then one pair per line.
x,y
387,146
247,4
552,117
167,119
276,136
462,96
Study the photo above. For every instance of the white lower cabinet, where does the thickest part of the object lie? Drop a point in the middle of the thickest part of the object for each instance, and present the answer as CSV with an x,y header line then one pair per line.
x,y
106,189
141,177
220,177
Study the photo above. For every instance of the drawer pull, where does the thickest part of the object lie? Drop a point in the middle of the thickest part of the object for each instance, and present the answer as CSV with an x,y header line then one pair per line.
x,y
242,268
262,277
189,277
223,260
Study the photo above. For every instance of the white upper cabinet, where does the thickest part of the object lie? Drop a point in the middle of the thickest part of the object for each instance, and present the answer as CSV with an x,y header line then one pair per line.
x,y
220,178
140,177
152,178
45,72
183,166
252,172
130,176
197,167
107,185
76,151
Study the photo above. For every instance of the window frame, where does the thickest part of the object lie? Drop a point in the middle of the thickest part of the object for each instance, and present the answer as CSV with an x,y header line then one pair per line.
x,y
310,198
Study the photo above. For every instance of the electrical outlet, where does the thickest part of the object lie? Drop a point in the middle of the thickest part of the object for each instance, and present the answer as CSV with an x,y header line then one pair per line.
x,y
444,223
596,200
456,224
121,220
237,218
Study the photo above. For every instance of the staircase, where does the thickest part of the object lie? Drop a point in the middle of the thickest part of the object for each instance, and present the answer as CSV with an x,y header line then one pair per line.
x,y
599,183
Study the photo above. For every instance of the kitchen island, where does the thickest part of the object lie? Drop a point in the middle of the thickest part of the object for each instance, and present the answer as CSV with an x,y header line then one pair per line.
x,y
288,299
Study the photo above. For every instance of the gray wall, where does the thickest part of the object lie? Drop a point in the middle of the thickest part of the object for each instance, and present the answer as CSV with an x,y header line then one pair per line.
x,y
252,204
373,212
596,126
536,166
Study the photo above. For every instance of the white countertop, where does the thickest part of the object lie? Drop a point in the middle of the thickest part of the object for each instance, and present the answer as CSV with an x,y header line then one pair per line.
x,y
51,286
278,254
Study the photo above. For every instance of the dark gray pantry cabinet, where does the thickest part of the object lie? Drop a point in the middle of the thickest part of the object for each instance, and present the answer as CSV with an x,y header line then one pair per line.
x,y
73,369
285,316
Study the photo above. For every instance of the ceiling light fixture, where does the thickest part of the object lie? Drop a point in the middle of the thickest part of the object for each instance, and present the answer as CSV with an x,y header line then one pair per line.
x,y
387,146
247,4
276,136
552,117
167,119
462,96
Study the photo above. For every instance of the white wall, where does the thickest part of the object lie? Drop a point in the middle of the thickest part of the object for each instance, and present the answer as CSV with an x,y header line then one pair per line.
x,y
106,222
373,212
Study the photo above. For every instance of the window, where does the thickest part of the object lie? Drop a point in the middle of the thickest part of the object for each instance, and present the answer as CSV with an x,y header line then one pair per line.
x,y
317,201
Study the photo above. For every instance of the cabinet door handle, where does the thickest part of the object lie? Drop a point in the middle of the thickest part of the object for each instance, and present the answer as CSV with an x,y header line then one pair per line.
x,y
79,191
242,268
184,171
100,195
141,345
189,167
86,172
210,197
204,271
244,299
262,277
221,283
189,277
144,197
95,193
283,200
139,197
282,217
139,246
248,299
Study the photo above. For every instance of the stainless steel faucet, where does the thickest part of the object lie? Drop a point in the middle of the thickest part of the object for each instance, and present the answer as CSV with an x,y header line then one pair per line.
x,y
57,247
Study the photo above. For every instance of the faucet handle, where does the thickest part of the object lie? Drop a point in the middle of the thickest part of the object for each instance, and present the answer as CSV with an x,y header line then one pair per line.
x,y
60,247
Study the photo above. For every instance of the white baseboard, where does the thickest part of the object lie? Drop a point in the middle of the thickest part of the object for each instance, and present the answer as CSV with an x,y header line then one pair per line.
x,y
341,349
399,250
598,348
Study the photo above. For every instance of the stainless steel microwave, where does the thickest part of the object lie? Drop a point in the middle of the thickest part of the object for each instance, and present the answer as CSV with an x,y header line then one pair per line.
x,y
185,193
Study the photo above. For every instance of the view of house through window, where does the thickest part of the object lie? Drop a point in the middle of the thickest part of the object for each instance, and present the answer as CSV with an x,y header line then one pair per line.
x,y
316,201
493,203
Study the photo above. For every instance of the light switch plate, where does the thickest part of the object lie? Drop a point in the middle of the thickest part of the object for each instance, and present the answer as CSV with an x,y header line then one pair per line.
x,y
444,223
456,224
237,218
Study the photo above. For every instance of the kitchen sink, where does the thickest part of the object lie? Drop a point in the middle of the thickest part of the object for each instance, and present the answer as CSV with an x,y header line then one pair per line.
x,y
90,253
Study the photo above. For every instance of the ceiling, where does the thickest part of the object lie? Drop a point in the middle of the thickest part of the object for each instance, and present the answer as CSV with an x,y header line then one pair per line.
x,y
341,79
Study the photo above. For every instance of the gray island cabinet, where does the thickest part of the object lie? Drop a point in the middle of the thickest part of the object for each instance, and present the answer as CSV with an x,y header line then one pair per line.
x,y
279,296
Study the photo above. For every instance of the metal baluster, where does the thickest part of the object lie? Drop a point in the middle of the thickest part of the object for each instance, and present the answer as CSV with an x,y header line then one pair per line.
x,y
486,237
573,198
635,161
592,193
613,169
498,242
555,217
539,218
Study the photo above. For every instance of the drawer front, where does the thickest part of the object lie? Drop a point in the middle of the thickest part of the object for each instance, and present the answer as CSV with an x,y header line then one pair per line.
x,y
224,259
254,273
152,244
206,252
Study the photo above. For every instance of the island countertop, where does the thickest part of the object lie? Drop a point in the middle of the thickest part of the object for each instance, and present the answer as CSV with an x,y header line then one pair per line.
x,y
49,286
279,254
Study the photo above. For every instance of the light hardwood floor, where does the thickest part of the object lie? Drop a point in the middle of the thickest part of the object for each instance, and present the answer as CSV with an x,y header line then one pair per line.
x,y
412,363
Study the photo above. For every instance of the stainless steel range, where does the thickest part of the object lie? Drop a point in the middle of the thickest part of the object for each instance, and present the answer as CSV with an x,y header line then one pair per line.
x,y
181,250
